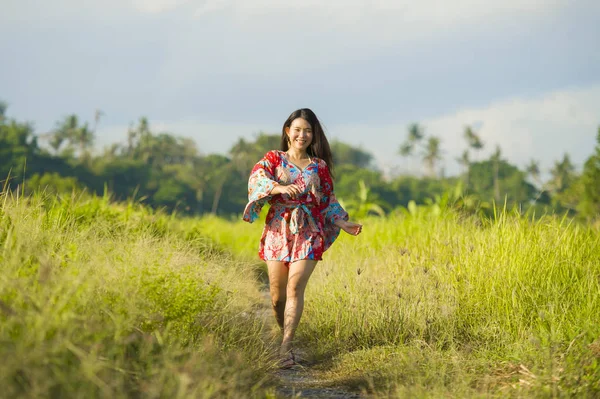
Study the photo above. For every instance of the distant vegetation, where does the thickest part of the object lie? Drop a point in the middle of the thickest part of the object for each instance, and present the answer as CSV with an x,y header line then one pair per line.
x,y
169,172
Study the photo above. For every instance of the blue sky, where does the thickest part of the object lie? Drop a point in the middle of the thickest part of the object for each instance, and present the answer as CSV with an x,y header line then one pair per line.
x,y
525,72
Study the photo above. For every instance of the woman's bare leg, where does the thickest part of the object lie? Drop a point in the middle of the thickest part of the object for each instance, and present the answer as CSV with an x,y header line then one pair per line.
x,y
278,278
299,273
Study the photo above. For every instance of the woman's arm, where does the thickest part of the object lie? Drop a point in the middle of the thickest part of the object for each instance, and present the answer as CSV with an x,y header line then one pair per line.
x,y
291,189
349,227
261,185
333,211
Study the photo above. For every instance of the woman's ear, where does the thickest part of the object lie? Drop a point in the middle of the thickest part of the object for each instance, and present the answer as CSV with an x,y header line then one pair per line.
x,y
287,133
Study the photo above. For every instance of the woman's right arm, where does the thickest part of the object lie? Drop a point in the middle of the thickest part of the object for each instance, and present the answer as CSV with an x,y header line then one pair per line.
x,y
261,184
292,190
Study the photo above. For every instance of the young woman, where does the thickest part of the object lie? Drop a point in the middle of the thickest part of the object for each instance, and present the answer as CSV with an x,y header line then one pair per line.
x,y
304,219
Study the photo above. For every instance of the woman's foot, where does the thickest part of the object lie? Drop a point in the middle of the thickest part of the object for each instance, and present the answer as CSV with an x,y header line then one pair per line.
x,y
288,361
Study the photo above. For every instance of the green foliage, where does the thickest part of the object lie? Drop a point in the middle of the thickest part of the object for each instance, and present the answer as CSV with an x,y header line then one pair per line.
x,y
362,206
473,139
52,183
95,303
169,172
17,145
430,151
590,184
431,302
511,181
346,155
78,138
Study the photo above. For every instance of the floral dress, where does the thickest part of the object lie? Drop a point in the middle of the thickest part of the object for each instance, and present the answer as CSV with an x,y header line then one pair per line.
x,y
295,228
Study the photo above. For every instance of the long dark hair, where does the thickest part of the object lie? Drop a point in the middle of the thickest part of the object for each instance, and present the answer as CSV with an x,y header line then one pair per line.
x,y
319,147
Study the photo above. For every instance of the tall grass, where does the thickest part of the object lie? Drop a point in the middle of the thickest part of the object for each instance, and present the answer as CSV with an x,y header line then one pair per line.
x,y
115,300
432,303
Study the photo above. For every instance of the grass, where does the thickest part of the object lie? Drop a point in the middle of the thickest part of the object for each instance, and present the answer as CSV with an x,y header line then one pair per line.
x,y
432,303
115,300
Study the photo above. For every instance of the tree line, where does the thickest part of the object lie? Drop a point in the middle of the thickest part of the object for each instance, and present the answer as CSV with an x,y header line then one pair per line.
x,y
167,171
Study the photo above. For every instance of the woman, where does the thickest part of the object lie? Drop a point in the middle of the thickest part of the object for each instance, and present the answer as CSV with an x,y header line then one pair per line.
x,y
304,219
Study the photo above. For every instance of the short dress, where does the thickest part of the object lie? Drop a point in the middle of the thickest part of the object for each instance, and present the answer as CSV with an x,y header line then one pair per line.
x,y
295,228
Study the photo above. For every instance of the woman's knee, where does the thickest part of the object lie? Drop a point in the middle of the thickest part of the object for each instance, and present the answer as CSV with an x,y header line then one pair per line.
x,y
295,290
278,304
278,294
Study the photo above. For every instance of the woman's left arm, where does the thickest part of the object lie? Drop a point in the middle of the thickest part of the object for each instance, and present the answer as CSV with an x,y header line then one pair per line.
x,y
332,210
349,227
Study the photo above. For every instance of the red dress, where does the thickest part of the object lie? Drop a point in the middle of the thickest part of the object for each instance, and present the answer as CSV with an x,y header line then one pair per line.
x,y
300,228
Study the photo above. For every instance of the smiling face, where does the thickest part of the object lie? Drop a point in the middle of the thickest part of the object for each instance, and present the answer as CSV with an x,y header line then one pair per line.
x,y
300,134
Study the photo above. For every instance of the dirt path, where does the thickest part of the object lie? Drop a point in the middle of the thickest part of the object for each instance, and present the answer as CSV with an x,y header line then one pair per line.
x,y
300,381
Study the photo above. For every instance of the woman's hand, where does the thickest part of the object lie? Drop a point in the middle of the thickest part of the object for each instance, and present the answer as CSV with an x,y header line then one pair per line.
x,y
291,189
349,227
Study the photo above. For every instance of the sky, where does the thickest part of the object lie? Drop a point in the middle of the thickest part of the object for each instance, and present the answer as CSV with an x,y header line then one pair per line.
x,y
524,73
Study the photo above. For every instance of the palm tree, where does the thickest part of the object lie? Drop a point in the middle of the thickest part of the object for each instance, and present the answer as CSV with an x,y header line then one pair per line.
x,y
473,139
562,174
465,162
62,132
432,154
78,137
406,149
495,158
97,115
82,138
138,140
415,136
110,152
415,133
243,155
219,176
3,107
533,170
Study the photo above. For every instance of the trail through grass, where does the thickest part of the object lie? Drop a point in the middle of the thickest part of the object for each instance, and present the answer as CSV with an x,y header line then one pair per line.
x,y
434,304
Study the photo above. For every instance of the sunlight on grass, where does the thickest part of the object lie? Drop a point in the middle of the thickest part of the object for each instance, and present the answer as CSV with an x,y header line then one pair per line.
x,y
112,300
433,303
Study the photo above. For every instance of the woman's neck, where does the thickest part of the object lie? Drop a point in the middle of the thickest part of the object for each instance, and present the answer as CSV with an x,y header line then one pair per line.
x,y
297,154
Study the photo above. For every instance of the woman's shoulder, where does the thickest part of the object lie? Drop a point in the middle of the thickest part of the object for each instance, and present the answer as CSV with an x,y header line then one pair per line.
x,y
277,153
321,163
273,156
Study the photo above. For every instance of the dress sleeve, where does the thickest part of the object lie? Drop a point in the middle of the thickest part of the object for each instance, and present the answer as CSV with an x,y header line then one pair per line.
x,y
330,207
331,210
260,184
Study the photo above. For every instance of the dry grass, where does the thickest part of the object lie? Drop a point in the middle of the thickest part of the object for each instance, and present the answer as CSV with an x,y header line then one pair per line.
x,y
435,304
102,300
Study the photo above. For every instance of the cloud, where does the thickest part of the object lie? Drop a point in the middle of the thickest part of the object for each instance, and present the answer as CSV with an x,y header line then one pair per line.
x,y
557,122
157,6
437,11
542,128
299,39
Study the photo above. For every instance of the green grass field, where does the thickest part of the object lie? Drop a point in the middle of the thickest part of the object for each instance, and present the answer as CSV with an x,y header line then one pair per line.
x,y
435,304
116,300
